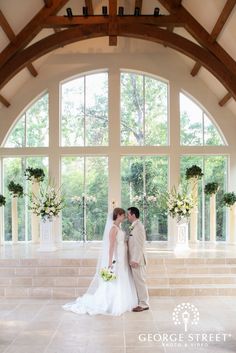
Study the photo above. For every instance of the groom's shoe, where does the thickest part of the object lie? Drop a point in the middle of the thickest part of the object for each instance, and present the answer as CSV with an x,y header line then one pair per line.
x,y
138,309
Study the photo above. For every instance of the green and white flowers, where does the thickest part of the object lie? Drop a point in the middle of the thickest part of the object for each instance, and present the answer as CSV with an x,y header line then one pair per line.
x,y
180,203
107,275
47,204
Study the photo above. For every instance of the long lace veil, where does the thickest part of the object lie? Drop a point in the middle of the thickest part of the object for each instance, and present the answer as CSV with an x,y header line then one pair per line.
x,y
103,257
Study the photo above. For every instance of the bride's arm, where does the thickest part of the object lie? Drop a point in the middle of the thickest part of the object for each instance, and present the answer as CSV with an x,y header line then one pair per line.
x,y
112,239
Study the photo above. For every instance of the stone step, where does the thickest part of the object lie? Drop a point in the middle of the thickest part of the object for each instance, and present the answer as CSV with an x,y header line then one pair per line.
x,y
69,278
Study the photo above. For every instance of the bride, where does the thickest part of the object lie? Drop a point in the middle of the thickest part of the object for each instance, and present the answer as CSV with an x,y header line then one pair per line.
x,y
119,295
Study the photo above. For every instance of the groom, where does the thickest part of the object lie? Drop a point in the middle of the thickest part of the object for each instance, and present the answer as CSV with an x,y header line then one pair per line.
x,y
137,258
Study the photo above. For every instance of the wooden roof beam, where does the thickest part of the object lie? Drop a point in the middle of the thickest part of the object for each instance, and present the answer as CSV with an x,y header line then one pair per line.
x,y
4,101
89,4
112,27
159,21
48,3
131,30
139,4
201,35
11,36
228,8
225,99
30,31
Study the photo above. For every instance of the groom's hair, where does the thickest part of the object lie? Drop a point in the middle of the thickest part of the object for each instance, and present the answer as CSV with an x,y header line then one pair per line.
x,y
135,211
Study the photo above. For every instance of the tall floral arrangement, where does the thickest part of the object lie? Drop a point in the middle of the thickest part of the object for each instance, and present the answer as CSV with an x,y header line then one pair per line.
x,y
48,203
180,203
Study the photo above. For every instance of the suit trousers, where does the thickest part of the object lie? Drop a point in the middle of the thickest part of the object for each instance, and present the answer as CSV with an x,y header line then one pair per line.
x,y
139,275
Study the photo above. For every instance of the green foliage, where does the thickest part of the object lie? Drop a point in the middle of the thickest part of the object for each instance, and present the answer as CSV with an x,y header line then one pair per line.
x,y
194,172
16,190
2,200
211,188
34,174
229,199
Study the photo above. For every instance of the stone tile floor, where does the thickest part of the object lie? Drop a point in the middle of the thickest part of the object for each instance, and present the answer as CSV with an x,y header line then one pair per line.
x,y
41,326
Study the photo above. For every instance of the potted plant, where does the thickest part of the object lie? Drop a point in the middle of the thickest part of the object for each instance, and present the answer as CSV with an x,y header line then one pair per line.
x,y
16,191
194,172
211,188
229,199
34,174
2,200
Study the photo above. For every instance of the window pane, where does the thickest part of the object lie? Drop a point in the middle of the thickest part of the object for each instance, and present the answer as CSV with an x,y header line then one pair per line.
x,y
211,135
132,109
156,132
140,182
191,125
143,110
96,113
84,114
37,123
72,115
17,135
32,128
88,176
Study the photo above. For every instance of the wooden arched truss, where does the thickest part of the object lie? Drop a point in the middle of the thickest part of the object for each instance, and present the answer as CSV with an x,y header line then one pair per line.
x,y
207,53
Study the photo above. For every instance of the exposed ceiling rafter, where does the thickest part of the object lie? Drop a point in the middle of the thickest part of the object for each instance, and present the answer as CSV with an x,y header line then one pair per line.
x,y
228,8
11,36
225,99
89,5
201,35
112,23
30,31
4,101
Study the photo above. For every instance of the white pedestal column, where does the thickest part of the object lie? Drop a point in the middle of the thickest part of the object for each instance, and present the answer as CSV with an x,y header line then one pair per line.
x,y
47,238
232,224
35,220
194,214
14,214
182,237
213,218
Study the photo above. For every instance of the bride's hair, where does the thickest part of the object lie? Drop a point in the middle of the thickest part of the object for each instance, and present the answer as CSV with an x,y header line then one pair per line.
x,y
117,212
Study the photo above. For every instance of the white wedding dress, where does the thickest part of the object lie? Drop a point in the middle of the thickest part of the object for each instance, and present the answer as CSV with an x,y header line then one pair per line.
x,y
114,297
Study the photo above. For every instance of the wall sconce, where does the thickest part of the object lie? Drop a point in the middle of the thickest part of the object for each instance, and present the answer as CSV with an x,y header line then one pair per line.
x,y
104,10
85,10
121,11
156,11
69,12
137,11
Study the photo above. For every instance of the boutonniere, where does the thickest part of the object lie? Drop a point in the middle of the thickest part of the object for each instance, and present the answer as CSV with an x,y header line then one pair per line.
x,y
130,229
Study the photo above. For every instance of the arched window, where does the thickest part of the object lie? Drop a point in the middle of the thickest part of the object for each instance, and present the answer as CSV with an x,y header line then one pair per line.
x,y
31,129
138,166
196,128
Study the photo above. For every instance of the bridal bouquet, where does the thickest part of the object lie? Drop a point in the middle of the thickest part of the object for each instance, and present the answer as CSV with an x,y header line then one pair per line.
x,y
180,203
47,204
107,275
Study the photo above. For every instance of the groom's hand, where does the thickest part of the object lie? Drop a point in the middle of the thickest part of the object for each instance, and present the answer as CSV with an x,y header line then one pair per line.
x,y
133,264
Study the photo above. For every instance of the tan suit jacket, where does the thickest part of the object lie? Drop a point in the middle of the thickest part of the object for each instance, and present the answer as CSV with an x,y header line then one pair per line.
x,y
137,240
